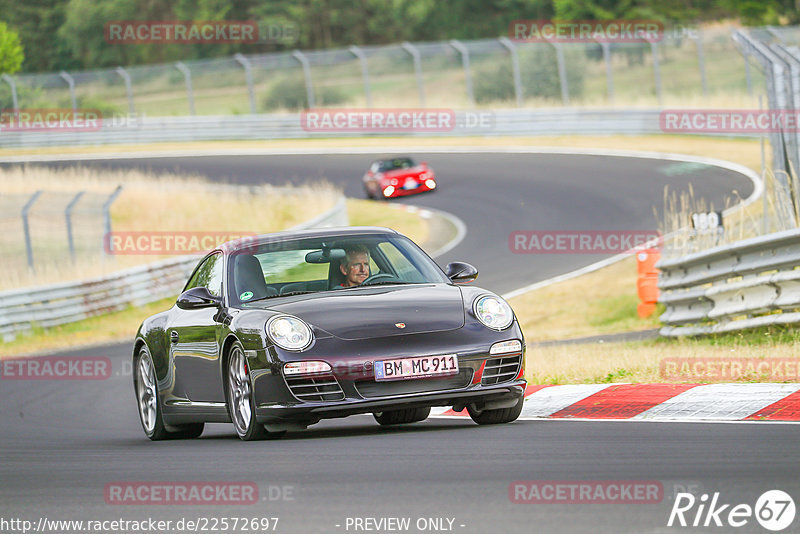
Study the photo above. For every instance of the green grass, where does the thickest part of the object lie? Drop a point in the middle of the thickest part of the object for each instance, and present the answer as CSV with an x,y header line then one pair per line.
x,y
115,326
763,337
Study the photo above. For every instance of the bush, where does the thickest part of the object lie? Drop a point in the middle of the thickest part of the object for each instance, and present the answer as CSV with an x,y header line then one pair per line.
x,y
290,93
538,72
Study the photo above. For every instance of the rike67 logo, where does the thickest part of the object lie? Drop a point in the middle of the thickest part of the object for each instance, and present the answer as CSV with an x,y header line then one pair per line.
x,y
774,510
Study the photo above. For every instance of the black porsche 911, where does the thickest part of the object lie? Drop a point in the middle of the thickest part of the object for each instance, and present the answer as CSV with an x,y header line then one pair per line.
x,y
277,332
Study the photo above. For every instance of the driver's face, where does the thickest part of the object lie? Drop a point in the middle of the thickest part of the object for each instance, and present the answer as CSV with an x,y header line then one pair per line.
x,y
356,270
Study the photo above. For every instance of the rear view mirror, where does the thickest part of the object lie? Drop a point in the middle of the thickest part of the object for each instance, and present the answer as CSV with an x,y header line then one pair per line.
x,y
461,273
196,298
325,255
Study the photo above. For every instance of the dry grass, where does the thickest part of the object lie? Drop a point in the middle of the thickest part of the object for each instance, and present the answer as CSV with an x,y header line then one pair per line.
x,y
164,202
639,362
122,325
602,302
605,301
395,216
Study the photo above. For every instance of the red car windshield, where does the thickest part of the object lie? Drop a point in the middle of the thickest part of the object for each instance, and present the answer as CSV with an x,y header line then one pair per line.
x,y
396,164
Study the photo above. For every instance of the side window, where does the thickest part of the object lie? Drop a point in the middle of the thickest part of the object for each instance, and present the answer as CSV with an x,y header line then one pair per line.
x,y
208,275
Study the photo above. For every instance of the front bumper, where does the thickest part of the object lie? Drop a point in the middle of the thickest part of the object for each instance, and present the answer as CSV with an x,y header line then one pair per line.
x,y
311,412
400,192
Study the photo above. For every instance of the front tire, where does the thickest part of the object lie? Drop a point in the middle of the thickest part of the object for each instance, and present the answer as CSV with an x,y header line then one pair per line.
x,y
150,415
239,392
402,417
495,417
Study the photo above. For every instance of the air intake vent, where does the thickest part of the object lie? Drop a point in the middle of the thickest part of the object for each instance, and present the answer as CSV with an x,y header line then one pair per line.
x,y
319,388
372,388
498,370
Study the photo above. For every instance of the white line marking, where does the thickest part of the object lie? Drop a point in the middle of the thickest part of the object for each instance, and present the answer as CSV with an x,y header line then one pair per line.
x,y
645,421
719,401
548,401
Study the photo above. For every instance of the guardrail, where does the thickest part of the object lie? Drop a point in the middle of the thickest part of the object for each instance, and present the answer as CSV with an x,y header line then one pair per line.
x,y
478,122
747,284
754,282
59,304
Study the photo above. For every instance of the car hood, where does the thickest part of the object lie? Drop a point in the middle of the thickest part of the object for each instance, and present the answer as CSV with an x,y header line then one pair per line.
x,y
367,312
399,173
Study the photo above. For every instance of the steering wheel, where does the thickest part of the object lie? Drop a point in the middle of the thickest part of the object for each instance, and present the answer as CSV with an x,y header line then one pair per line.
x,y
377,276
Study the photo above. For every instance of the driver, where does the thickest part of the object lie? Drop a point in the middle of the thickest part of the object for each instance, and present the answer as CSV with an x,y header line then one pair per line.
x,y
355,266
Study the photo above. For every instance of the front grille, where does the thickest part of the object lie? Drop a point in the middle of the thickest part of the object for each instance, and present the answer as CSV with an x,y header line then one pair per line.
x,y
319,388
373,388
498,370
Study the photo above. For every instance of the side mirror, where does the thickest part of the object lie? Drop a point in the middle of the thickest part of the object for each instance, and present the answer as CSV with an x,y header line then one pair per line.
x,y
461,273
196,298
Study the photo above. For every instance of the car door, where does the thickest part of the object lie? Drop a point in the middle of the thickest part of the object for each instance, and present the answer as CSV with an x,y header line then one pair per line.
x,y
194,339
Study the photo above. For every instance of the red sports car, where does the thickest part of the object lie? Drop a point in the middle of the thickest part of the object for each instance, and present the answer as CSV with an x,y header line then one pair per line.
x,y
397,177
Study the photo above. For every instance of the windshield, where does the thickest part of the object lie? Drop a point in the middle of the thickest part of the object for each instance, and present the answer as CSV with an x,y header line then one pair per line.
x,y
396,164
327,264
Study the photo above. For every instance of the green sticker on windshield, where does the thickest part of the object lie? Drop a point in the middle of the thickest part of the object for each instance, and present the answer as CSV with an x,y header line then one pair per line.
x,y
247,295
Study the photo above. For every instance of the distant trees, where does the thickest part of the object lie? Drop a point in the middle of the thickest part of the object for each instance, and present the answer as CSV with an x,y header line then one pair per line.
x,y
11,55
69,34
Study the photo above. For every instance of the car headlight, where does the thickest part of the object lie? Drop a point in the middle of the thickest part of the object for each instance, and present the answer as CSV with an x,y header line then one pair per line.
x,y
289,332
494,312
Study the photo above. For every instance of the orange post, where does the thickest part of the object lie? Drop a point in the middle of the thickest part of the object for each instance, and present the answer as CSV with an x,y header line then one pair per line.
x,y
647,281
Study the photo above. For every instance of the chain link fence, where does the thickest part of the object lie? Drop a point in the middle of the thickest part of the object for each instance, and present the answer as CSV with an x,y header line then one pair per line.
x,y
46,228
685,66
773,59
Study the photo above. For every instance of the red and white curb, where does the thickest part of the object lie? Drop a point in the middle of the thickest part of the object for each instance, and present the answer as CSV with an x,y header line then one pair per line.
x,y
659,402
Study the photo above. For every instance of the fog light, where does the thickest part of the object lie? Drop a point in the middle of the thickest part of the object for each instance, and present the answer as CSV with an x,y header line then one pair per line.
x,y
388,191
430,183
505,347
305,368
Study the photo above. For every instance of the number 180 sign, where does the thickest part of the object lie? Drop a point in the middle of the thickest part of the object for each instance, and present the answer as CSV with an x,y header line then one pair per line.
x,y
707,222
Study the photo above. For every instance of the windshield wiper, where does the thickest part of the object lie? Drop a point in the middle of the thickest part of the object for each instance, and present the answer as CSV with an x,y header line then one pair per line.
x,y
276,296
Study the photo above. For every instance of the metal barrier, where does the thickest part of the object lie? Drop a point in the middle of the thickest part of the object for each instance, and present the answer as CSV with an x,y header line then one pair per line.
x,y
59,304
754,282
751,283
504,122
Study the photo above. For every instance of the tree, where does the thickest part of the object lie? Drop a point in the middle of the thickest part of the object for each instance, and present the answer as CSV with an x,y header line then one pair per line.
x,y
11,55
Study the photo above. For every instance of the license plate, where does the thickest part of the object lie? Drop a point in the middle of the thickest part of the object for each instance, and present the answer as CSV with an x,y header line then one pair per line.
x,y
418,367
411,184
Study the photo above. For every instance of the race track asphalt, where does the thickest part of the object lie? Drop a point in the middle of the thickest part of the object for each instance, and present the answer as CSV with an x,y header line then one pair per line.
x,y
62,442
